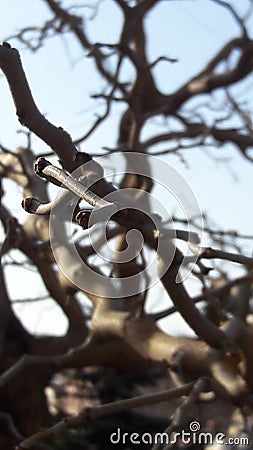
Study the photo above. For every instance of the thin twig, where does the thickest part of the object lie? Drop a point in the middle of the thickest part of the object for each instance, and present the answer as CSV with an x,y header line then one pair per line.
x,y
214,292
94,412
234,14
211,253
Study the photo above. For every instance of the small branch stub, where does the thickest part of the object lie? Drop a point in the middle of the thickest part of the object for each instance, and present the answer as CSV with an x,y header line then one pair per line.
x,y
83,219
27,204
40,165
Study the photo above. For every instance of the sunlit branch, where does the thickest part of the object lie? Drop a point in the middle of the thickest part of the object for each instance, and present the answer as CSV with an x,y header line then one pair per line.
x,y
211,253
45,169
35,206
